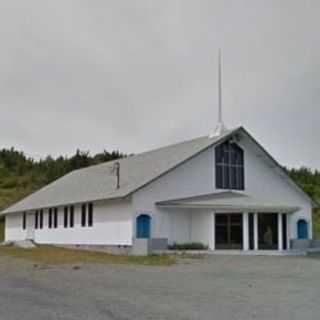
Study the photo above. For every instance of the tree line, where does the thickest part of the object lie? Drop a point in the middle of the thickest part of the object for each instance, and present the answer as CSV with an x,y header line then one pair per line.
x,y
21,175
307,179
13,162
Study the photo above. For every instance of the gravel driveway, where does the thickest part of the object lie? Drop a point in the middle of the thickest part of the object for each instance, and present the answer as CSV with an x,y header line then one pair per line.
x,y
218,287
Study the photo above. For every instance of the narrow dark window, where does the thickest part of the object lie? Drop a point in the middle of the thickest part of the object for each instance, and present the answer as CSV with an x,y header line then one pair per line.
x,y
229,166
24,221
251,231
71,216
36,219
50,219
90,215
65,223
83,215
55,218
41,219
284,232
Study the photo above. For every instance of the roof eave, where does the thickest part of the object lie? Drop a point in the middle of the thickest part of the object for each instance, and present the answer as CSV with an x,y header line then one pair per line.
x,y
7,211
232,208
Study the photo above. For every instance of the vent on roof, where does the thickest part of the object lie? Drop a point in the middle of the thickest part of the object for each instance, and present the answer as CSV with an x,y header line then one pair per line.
x,y
116,170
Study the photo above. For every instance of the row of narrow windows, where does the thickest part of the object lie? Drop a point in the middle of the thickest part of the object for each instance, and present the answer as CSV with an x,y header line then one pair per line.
x,y
68,217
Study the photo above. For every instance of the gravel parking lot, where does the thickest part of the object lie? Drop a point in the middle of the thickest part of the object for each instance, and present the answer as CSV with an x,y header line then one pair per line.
x,y
217,287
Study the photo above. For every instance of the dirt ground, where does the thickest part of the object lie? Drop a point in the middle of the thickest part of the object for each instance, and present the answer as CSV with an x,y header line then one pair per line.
x,y
217,287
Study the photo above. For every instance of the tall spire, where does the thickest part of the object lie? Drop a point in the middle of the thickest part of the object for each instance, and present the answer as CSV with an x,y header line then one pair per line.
x,y
220,128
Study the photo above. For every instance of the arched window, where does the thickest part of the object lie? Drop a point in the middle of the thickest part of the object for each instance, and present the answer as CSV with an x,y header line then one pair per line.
x,y
143,226
302,229
229,166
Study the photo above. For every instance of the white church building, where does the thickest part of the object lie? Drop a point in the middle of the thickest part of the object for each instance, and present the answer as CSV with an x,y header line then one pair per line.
x,y
224,191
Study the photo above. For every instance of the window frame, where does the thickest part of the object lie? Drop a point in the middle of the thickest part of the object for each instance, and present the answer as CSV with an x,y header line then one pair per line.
x,y
41,219
71,216
84,215
50,218
36,220
65,217
24,221
55,218
90,214
229,166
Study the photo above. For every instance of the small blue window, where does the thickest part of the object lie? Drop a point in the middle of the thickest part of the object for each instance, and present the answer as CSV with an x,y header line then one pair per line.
x,y
302,231
143,226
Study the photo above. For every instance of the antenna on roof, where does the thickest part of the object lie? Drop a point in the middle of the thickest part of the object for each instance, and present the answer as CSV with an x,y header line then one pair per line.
x,y
220,129
116,170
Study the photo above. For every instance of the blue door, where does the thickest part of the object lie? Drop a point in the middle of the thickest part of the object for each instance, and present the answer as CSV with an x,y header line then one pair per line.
x,y
302,229
143,226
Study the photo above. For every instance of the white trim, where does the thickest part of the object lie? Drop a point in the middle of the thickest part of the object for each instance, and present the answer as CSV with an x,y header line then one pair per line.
x,y
280,232
288,231
245,231
255,231
213,223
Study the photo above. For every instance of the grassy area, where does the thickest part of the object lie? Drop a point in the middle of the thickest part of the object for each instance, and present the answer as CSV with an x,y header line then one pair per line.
x,y
316,224
54,255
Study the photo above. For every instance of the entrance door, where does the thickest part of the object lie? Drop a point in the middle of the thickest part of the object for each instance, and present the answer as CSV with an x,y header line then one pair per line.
x,y
268,231
302,229
229,231
143,226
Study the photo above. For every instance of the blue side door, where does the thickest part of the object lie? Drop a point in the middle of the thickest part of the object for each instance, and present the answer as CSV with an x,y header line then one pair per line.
x,y
302,229
143,226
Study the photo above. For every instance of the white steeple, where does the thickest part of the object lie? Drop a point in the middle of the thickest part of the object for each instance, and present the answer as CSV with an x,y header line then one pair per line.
x,y
220,128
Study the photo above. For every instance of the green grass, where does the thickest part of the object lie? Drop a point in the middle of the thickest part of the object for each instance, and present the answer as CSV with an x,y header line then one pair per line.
x,y
51,255
316,224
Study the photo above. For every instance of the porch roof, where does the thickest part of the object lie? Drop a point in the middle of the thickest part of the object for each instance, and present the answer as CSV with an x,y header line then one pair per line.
x,y
228,201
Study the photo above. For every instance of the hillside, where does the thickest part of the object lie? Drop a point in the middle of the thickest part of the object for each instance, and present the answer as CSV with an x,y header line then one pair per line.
x,y
20,175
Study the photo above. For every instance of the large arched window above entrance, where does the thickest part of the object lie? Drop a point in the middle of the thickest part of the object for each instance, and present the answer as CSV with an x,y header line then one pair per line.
x,y
302,229
229,166
143,224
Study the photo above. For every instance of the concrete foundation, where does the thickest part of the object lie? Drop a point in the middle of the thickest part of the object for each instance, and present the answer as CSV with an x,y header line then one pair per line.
x,y
143,247
298,244
119,250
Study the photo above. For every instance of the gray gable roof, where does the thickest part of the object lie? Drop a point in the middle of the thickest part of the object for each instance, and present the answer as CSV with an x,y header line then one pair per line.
x,y
99,182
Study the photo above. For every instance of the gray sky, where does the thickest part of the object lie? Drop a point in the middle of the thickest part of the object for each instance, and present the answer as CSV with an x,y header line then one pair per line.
x,y
136,75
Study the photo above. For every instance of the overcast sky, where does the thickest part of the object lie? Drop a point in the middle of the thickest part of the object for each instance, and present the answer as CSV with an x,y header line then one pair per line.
x,y
135,75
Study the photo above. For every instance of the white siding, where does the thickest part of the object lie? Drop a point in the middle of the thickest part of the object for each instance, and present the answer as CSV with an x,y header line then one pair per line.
x,y
112,225
202,227
13,228
264,181
194,177
197,177
180,227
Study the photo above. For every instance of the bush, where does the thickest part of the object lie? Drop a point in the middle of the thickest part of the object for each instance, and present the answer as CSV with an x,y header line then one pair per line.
x,y
188,246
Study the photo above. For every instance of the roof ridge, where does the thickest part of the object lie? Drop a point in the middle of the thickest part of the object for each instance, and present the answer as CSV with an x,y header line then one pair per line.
x,y
157,149
136,155
100,188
